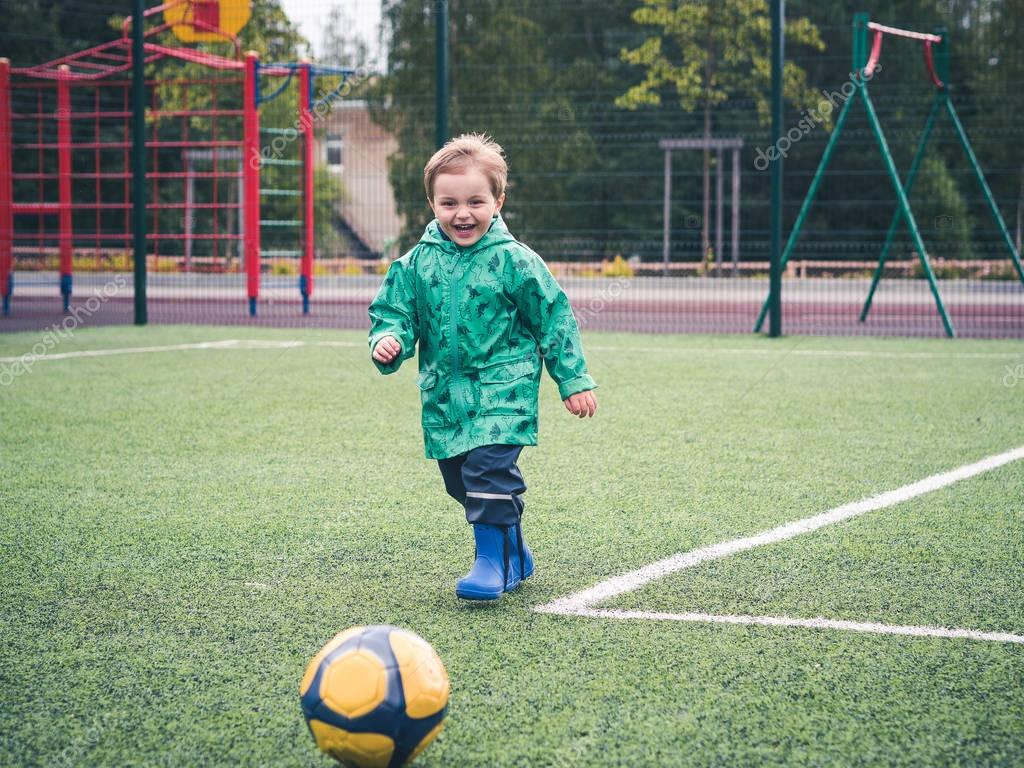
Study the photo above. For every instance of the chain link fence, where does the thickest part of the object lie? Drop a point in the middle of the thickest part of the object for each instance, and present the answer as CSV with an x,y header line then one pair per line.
x,y
637,137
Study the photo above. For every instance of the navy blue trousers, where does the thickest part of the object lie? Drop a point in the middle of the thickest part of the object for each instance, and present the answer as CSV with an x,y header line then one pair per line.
x,y
487,482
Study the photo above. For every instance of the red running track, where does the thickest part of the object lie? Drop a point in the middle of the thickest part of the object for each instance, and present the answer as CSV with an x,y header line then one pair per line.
x,y
971,320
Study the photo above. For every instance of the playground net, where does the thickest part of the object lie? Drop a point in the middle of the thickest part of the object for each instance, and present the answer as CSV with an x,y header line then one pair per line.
x,y
650,203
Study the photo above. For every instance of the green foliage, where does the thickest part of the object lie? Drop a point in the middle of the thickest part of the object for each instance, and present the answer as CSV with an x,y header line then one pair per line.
x,y
36,31
328,193
856,200
617,267
516,73
708,53
1005,271
339,45
544,78
942,211
993,74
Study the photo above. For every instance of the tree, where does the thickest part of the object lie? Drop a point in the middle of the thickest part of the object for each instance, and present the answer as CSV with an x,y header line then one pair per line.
x,y
993,81
508,103
340,46
708,53
36,31
539,77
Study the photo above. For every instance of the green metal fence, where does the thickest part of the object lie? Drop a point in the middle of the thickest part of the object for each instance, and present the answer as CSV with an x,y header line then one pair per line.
x,y
637,135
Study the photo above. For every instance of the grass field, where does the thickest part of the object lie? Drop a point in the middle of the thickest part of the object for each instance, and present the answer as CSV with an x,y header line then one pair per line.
x,y
181,530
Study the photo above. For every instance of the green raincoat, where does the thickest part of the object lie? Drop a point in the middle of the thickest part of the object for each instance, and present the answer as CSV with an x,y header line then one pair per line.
x,y
481,315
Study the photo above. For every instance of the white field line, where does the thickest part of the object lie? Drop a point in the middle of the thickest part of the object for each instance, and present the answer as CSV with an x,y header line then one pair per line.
x,y
252,344
817,623
226,344
582,603
814,352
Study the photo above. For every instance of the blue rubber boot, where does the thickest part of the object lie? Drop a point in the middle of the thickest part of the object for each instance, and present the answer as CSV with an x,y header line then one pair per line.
x,y
500,556
523,552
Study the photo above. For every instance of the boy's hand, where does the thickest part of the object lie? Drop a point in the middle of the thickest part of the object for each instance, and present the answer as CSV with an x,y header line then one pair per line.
x,y
387,349
582,404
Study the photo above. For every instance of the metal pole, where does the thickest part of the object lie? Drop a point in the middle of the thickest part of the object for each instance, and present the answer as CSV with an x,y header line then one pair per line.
x,y
898,214
139,158
812,191
306,122
719,210
189,192
735,213
904,204
6,187
441,57
64,182
240,255
251,179
778,14
667,212
1020,212
989,200
942,67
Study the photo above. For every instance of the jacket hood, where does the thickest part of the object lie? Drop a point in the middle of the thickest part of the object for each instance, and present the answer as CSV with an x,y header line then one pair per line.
x,y
497,233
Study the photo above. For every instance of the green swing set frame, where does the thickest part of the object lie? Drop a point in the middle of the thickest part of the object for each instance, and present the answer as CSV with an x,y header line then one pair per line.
x,y
938,70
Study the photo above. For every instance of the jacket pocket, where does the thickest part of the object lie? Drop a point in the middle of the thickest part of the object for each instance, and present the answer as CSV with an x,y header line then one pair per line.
x,y
426,380
431,396
509,387
503,372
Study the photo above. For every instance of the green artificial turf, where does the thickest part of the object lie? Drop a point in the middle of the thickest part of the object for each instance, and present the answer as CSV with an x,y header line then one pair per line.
x,y
181,531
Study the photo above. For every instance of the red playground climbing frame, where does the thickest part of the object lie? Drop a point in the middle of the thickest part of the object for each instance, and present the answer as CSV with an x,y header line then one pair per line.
x,y
65,163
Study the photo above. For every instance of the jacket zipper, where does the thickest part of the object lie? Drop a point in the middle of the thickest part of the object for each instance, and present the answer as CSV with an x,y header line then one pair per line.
x,y
458,383
453,313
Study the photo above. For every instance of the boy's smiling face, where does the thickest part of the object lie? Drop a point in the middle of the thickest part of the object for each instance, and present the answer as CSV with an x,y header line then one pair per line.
x,y
464,205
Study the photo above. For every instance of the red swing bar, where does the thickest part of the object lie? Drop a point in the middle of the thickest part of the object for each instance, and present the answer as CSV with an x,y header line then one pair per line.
x,y
876,48
897,32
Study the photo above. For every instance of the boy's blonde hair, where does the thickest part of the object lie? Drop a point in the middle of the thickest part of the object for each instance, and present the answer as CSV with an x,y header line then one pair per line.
x,y
469,149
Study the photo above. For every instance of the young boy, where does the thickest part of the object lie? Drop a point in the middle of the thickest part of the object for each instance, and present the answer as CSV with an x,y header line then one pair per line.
x,y
481,305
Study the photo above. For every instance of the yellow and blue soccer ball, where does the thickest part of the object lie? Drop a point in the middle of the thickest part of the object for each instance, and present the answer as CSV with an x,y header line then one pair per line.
x,y
375,697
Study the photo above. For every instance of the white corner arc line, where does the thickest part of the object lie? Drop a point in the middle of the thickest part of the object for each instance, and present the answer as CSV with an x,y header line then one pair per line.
x,y
582,603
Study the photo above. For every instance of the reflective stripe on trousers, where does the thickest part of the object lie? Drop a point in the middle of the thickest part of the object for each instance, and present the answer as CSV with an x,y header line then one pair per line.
x,y
487,482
